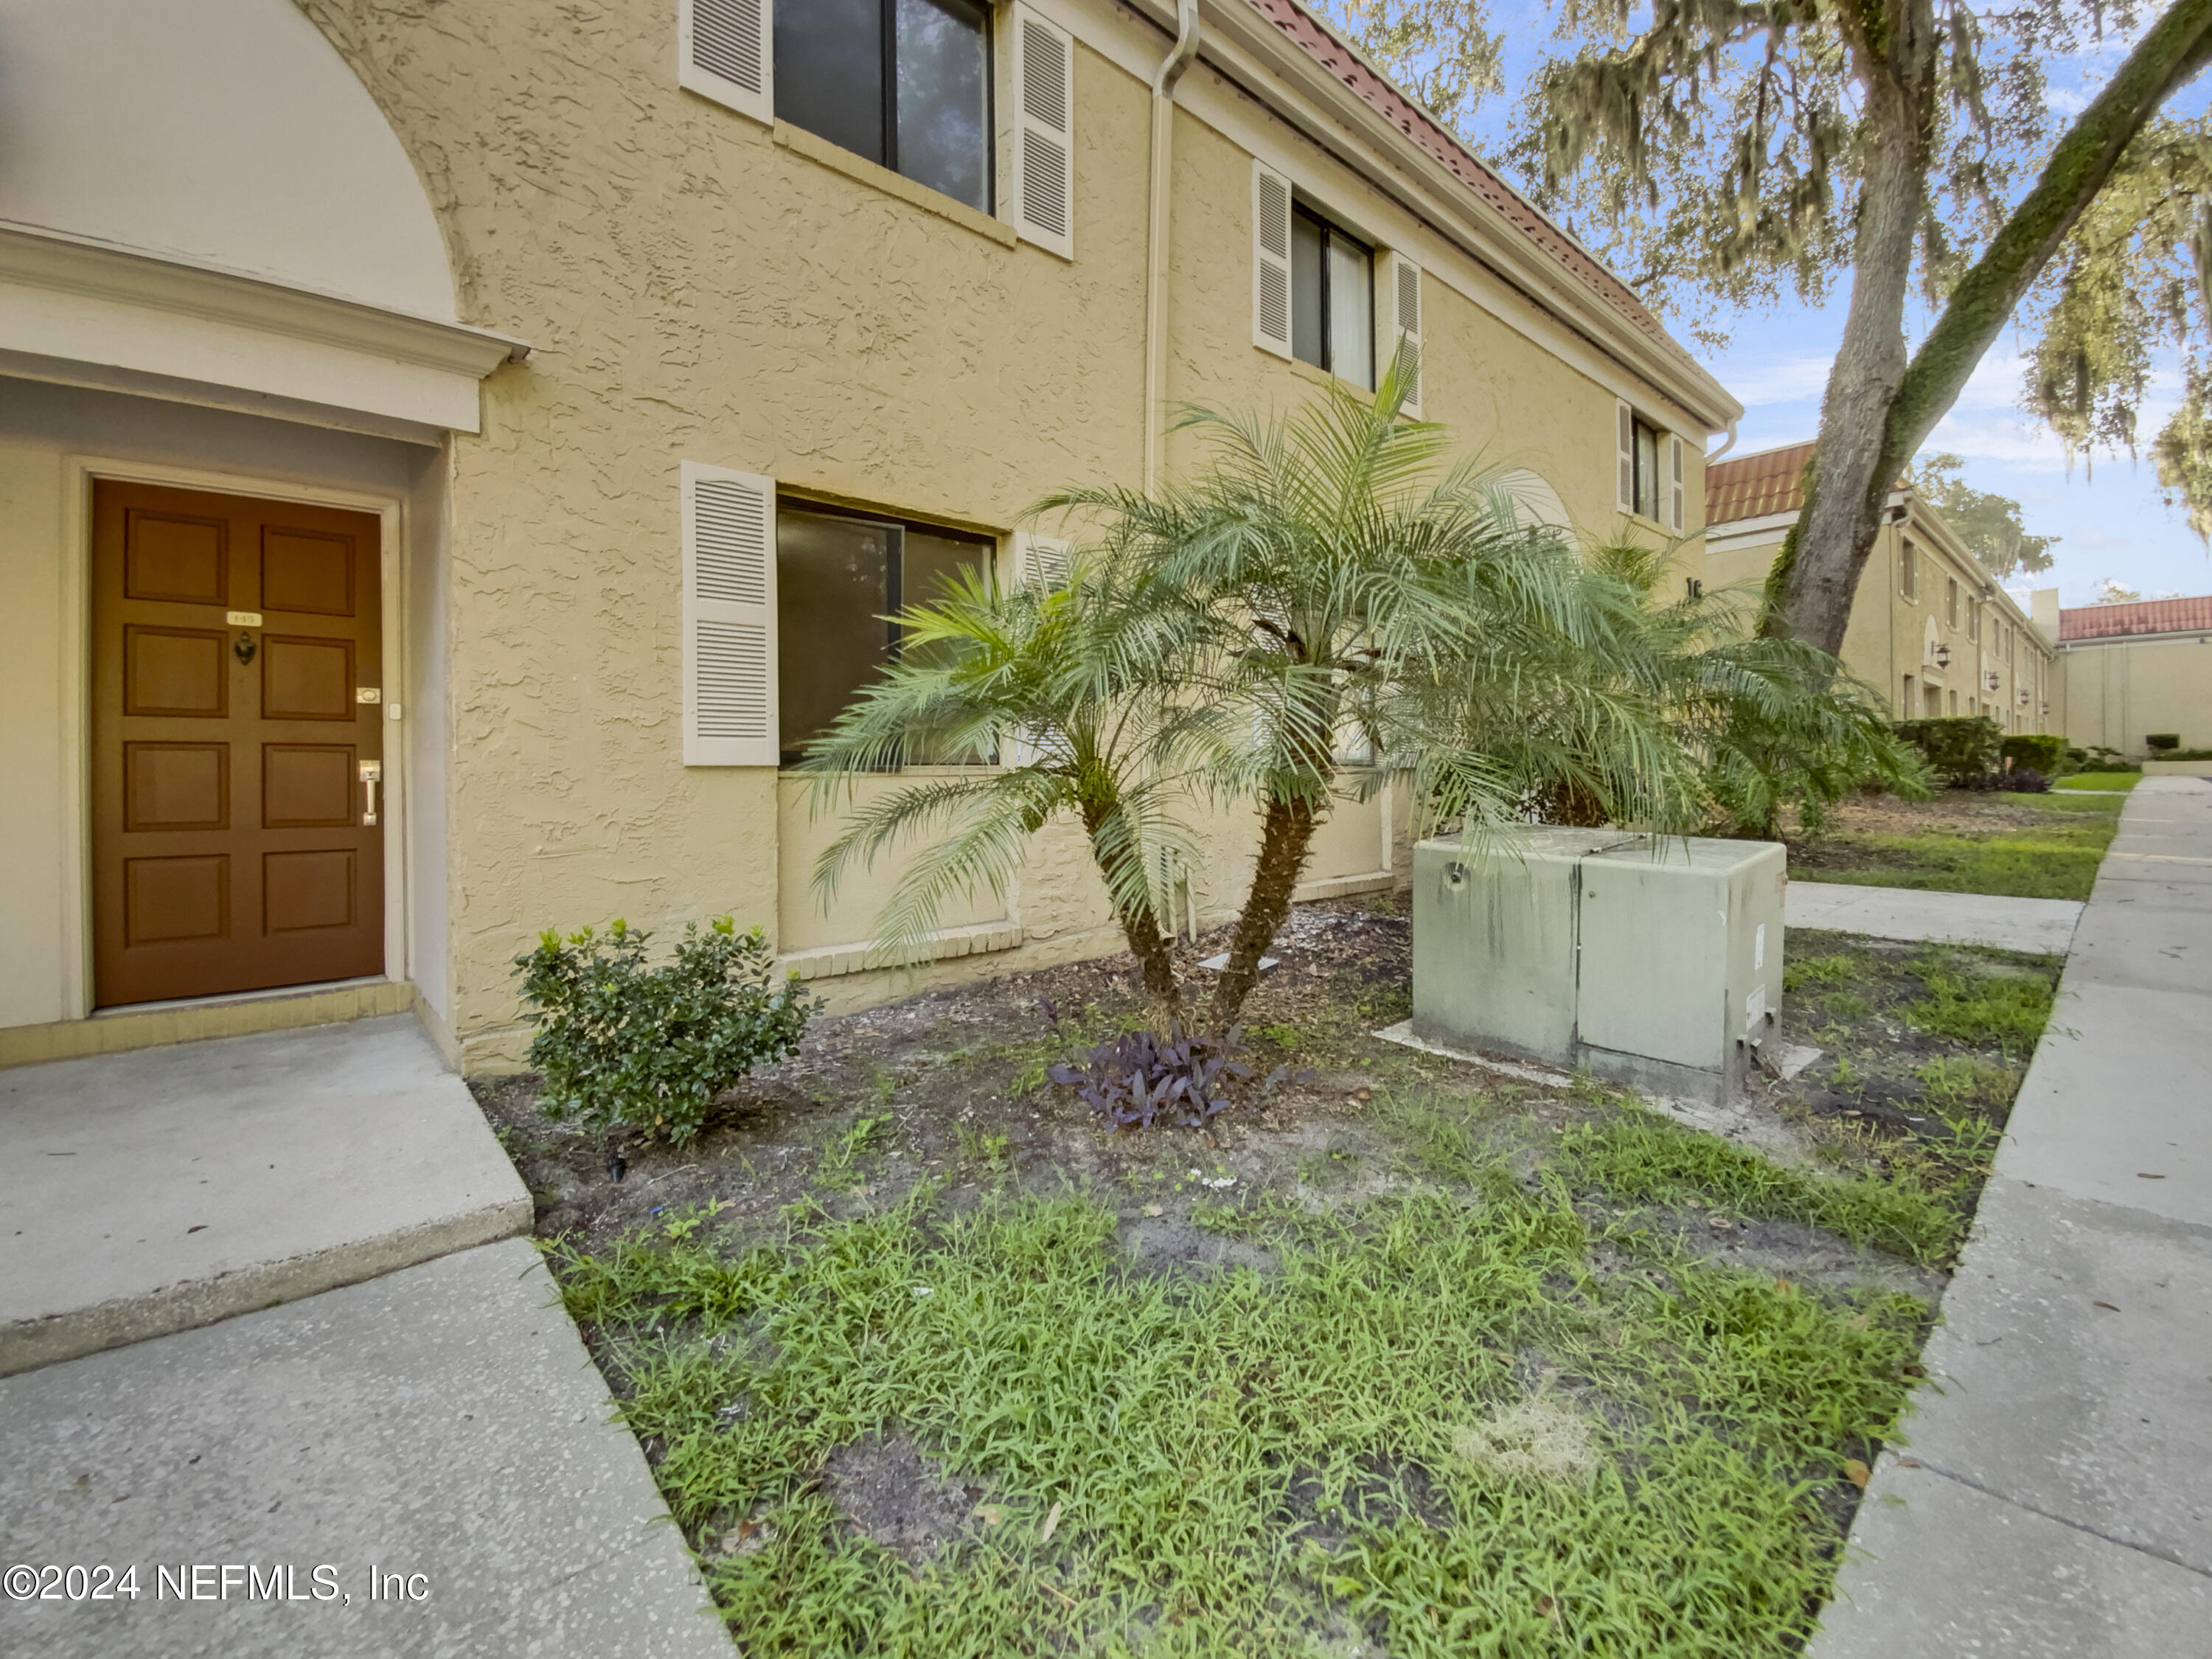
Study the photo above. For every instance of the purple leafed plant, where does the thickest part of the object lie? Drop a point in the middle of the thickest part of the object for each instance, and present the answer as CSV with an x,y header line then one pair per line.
x,y
1134,1078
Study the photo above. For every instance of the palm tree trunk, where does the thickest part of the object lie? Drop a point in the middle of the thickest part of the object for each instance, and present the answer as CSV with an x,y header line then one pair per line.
x,y
1154,949
1285,837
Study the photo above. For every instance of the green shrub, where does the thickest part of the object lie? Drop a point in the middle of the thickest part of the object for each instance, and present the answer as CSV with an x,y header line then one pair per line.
x,y
620,1042
1960,748
2163,741
2043,750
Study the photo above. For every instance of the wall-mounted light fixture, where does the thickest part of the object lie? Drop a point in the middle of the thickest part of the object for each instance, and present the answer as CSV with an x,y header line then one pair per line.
x,y
1942,656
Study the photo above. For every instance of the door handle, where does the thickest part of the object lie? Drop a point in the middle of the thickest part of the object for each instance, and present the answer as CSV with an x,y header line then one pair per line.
x,y
372,774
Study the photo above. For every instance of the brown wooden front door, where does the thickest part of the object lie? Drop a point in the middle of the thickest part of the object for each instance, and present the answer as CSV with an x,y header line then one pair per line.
x,y
232,841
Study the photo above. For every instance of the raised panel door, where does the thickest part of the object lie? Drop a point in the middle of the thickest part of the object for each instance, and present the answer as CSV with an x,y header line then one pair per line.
x,y
232,843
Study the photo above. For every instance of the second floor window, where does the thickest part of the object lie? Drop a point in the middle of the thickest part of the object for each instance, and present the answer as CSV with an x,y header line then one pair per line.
x,y
1331,298
1950,601
1908,572
906,83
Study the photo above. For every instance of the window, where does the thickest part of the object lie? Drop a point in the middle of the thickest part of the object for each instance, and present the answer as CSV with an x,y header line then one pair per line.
x,y
838,576
1950,601
1651,483
1331,298
1908,572
903,82
1909,703
1974,621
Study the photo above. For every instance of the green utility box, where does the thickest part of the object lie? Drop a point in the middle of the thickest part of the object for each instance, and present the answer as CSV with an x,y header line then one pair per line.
x,y
1652,961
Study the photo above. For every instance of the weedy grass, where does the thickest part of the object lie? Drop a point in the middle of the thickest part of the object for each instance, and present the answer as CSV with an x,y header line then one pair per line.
x,y
1970,1004
1637,1155
2118,782
1285,1464
2056,858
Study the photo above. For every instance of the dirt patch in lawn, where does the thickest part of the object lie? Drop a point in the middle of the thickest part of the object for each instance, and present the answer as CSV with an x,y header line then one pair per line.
x,y
1963,841
1404,1347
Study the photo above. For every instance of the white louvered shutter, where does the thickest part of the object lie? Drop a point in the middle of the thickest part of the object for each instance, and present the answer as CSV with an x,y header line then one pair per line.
x,y
1044,133
1624,421
727,52
1402,303
1674,472
1040,559
729,618
1271,260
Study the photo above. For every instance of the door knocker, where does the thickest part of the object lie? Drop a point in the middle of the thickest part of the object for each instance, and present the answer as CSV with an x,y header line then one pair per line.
x,y
245,648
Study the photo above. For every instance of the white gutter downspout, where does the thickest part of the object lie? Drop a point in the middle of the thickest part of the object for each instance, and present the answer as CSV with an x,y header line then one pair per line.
x,y
1171,68
1725,447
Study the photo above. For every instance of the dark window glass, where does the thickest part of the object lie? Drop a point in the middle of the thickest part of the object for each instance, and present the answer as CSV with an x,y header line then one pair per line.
x,y
830,71
906,83
1647,469
1306,313
1331,298
838,577
945,99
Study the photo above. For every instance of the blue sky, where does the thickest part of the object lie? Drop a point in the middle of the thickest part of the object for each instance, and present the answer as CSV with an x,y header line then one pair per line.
x,y
2108,514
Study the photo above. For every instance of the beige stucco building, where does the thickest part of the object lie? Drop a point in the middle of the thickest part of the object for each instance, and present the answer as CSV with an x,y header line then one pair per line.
x,y
448,454
2133,670
1930,627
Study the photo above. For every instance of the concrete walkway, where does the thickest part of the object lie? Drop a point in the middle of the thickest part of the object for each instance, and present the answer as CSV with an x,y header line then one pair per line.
x,y
2055,1498
145,1193
2044,926
422,1461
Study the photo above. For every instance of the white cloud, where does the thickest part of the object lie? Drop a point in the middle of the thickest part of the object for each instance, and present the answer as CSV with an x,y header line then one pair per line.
x,y
1761,380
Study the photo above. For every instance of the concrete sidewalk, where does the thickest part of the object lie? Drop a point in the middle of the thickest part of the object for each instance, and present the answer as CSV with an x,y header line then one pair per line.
x,y
2055,1498
146,1193
435,1418
2043,925
442,1421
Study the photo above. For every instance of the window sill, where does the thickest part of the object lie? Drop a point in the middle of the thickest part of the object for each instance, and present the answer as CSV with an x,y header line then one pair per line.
x,y
1321,377
838,158
836,961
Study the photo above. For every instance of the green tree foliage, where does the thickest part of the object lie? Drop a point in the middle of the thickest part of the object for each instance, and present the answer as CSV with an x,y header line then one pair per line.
x,y
1722,152
1329,602
1989,523
2133,276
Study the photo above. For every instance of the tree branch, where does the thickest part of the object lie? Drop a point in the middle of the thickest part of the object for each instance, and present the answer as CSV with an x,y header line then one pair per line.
x,y
2176,47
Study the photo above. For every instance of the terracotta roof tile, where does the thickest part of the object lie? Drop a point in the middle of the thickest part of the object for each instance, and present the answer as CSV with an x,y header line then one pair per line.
x,y
1417,124
2115,622
1753,486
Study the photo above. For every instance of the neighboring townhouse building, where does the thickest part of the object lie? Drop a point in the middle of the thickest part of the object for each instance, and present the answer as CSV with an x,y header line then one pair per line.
x,y
1930,627
2133,670
455,455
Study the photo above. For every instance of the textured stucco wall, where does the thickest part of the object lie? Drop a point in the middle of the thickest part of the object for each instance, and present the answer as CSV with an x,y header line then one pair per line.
x,y
693,289
1885,638
2118,694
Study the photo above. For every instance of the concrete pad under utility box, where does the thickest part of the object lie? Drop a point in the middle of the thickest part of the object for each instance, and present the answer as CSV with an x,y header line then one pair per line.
x,y
1653,961
145,1193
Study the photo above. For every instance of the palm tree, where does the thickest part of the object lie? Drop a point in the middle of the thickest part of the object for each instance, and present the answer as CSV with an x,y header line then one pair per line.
x,y
1369,610
1068,681
1772,721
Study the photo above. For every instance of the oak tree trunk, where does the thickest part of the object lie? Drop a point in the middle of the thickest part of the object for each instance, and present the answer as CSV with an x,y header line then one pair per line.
x,y
1879,408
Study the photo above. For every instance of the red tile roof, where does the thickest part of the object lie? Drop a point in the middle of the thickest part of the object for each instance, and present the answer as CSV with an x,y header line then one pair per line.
x,y
2115,622
1417,124
1753,486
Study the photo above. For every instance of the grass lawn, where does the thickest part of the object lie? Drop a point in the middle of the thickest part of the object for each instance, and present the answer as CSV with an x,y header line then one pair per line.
x,y
2025,846
1405,1358
2118,781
